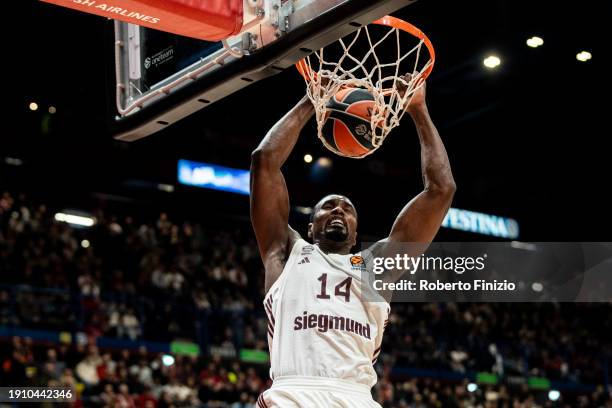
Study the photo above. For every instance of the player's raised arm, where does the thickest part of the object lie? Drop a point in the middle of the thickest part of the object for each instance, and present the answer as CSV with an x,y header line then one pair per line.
x,y
269,196
420,219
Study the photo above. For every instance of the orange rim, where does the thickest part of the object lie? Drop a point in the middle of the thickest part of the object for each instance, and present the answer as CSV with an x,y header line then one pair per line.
x,y
388,21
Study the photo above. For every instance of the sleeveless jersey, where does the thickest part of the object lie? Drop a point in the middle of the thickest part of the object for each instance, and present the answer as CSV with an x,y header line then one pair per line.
x,y
322,321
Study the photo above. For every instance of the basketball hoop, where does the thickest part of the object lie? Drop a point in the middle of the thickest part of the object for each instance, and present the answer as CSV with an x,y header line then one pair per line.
x,y
347,64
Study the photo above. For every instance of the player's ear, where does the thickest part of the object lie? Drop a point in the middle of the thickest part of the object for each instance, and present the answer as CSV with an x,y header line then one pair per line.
x,y
310,230
354,239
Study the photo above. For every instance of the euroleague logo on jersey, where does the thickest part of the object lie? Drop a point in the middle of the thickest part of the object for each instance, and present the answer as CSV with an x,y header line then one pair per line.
x,y
357,262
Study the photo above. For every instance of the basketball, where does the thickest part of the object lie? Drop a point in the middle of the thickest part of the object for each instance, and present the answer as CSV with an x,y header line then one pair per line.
x,y
347,130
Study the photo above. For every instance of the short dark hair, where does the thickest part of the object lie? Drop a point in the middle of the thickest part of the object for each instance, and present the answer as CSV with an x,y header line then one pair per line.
x,y
316,206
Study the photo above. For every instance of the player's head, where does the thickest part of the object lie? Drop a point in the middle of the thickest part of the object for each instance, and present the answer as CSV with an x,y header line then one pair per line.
x,y
334,220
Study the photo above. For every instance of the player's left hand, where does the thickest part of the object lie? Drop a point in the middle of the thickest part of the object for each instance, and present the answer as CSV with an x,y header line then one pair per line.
x,y
417,99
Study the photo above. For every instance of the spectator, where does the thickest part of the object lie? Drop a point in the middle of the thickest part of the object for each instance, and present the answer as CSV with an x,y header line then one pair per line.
x,y
87,369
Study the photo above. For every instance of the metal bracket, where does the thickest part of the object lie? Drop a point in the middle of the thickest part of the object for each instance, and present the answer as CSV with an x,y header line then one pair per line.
x,y
286,10
248,42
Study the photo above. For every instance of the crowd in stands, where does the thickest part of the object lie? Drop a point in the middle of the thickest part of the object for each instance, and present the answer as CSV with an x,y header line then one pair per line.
x,y
139,379
567,342
164,278
123,378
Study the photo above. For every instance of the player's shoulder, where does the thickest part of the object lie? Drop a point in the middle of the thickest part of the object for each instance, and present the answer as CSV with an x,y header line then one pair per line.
x,y
296,243
293,237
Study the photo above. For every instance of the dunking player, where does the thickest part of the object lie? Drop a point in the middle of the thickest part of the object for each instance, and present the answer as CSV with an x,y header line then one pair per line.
x,y
323,336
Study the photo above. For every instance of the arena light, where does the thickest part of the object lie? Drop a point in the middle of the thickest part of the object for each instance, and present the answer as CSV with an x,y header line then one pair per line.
x,y
33,106
73,219
324,162
492,62
168,188
85,243
526,246
308,158
472,387
321,170
535,42
13,161
167,360
554,395
303,210
584,56
52,110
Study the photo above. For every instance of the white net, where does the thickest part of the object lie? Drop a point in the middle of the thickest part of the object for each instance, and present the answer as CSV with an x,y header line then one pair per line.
x,y
373,59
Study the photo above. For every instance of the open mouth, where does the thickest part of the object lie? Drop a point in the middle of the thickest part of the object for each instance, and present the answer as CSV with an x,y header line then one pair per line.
x,y
337,222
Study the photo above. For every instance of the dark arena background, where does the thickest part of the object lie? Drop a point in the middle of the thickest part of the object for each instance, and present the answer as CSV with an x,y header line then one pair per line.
x,y
158,302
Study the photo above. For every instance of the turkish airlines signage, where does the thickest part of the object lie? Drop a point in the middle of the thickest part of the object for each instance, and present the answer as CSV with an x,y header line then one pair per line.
x,y
211,20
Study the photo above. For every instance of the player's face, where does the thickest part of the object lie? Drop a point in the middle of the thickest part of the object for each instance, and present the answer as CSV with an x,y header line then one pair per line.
x,y
335,219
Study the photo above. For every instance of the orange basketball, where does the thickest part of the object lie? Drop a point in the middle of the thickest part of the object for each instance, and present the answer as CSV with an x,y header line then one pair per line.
x,y
347,130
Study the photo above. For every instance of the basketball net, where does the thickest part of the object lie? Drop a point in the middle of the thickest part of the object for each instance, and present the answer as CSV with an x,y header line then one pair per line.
x,y
383,79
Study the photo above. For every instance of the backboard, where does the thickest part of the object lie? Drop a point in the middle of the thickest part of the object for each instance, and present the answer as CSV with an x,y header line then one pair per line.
x,y
161,78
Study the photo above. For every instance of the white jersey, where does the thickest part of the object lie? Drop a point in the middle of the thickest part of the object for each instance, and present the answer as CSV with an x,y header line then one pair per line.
x,y
322,321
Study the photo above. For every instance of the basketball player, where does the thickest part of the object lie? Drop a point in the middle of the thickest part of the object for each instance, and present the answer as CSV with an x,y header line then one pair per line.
x,y
324,338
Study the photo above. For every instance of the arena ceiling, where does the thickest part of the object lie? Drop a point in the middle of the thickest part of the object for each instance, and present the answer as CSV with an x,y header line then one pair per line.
x,y
527,140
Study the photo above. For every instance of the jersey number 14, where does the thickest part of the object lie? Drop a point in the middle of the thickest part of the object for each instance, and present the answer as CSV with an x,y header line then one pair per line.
x,y
342,289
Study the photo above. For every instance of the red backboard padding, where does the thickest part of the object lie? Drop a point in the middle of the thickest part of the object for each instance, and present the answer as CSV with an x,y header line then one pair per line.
x,y
211,20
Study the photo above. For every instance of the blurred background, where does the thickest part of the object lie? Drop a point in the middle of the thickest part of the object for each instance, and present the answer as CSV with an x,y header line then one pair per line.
x,y
158,302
